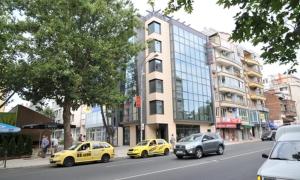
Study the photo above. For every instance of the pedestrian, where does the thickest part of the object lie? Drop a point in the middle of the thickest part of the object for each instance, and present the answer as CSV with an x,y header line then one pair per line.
x,y
80,138
84,138
54,144
173,141
45,146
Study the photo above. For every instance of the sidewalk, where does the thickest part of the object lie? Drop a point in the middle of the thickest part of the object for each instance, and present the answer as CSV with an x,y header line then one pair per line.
x,y
120,152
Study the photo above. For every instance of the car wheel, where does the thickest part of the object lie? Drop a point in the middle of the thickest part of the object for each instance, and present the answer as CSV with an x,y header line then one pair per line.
x,y
144,154
179,157
166,152
262,139
199,153
105,158
220,150
131,157
68,162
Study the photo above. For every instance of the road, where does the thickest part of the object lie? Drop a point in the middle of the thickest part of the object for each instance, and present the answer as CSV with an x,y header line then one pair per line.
x,y
240,161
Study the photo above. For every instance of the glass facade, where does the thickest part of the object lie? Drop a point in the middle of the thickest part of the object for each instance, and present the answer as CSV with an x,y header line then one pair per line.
x,y
156,107
191,76
154,27
156,85
155,65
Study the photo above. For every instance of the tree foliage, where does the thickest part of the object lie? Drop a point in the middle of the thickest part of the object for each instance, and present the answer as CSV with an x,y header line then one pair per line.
x,y
72,51
274,23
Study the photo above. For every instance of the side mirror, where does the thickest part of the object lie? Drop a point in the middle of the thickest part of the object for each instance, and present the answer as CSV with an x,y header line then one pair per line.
x,y
204,139
264,155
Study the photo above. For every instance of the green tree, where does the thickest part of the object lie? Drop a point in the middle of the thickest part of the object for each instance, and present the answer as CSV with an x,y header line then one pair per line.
x,y
28,145
47,111
273,23
72,51
11,148
20,145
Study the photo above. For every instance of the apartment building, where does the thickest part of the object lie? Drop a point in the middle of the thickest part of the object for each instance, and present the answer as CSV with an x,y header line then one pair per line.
x,y
287,86
282,109
173,80
237,77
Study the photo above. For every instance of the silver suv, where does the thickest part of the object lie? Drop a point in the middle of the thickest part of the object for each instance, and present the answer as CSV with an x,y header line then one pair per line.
x,y
198,144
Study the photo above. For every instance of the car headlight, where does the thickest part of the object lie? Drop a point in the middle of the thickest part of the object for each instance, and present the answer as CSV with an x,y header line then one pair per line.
x,y
259,177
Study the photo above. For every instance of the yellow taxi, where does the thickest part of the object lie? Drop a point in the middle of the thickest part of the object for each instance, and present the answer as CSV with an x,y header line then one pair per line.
x,y
149,148
89,151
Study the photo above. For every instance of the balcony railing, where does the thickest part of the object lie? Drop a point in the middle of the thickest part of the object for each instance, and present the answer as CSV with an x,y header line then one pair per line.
x,y
228,58
290,113
242,103
251,61
231,87
233,73
254,83
257,95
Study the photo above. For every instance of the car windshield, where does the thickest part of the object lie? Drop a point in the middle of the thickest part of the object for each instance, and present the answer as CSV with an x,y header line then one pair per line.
x,y
143,143
191,138
287,151
73,147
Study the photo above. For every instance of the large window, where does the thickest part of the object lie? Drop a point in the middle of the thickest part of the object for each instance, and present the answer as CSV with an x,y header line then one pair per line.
x,y
154,27
156,107
191,76
155,65
155,46
156,85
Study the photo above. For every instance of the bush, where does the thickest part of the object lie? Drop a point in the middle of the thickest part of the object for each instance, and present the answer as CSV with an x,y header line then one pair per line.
x,y
12,147
28,146
20,146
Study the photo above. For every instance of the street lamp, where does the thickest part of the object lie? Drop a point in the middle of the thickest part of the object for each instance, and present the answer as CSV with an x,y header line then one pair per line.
x,y
142,67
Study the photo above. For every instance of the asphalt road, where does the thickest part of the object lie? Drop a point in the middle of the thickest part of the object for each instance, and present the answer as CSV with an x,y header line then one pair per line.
x,y
239,162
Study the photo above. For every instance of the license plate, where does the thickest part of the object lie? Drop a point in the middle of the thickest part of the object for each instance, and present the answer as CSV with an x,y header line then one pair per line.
x,y
179,152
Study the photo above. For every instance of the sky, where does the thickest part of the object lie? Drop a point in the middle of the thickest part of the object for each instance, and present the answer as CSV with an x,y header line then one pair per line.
x,y
206,14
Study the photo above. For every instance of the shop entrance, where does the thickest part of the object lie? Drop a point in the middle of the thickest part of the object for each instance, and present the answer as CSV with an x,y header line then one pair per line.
x,y
162,132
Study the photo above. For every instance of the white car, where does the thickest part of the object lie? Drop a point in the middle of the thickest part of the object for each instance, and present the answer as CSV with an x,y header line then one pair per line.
x,y
283,163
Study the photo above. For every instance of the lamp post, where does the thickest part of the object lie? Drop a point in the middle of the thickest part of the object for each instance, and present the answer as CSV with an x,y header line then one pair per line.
x,y
142,67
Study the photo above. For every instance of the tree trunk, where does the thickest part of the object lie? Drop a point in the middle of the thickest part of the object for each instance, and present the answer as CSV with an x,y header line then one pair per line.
x,y
68,140
108,130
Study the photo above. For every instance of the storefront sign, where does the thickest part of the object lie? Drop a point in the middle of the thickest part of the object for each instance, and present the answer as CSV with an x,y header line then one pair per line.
x,y
8,118
138,101
229,120
226,125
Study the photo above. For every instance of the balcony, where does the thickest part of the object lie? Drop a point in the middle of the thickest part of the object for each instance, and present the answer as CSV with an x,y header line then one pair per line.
x,y
230,88
231,103
255,84
220,43
226,60
290,113
257,96
253,72
251,61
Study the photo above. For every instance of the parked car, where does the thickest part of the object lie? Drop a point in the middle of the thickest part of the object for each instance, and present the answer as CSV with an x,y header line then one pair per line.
x,y
89,151
149,148
284,159
199,144
268,135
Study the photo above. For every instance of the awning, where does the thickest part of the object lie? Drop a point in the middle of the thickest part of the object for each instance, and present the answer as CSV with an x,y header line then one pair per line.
x,y
51,125
226,125
6,128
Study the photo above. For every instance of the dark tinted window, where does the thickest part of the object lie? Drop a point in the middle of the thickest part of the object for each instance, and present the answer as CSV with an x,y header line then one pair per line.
x,y
155,65
156,107
156,85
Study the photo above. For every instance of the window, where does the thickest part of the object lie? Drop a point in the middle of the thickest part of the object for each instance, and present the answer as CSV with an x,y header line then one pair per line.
x,y
154,27
156,85
156,107
155,65
155,46
160,142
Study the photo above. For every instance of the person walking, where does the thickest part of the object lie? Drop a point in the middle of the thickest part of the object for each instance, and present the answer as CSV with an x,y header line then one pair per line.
x,y
80,139
44,145
55,144
173,141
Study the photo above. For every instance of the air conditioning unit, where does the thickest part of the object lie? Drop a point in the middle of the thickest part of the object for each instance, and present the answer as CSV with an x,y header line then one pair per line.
x,y
230,109
228,94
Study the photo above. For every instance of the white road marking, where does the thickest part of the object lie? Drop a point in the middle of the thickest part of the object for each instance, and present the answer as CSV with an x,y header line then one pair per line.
x,y
139,162
243,154
165,170
191,165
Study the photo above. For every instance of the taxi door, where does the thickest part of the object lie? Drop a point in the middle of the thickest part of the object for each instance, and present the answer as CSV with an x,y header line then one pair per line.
x,y
98,151
84,153
160,146
153,147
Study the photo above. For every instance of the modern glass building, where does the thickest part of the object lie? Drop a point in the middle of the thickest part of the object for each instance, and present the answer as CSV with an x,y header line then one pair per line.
x,y
173,80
